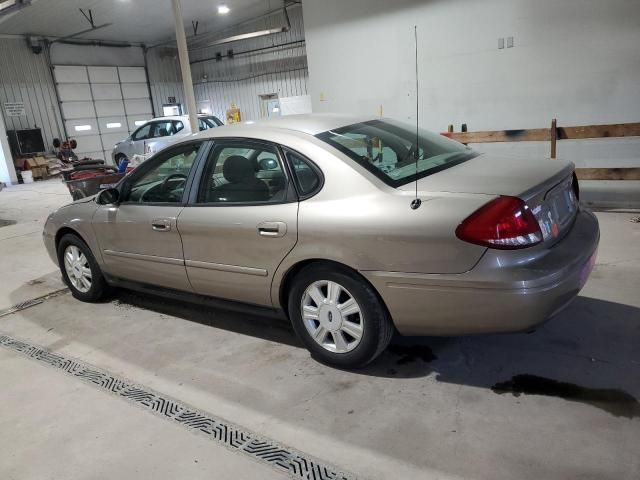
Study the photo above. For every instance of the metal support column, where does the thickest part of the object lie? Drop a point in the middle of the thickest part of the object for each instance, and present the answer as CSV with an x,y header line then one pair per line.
x,y
185,68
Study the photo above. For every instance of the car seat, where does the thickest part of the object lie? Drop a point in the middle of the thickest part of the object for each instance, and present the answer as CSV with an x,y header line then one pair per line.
x,y
243,185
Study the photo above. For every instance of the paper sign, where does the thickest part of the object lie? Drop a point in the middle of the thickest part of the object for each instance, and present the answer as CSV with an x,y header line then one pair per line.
x,y
14,109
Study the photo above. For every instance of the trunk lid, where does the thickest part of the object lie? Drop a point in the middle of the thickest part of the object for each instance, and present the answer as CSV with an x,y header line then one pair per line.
x,y
546,186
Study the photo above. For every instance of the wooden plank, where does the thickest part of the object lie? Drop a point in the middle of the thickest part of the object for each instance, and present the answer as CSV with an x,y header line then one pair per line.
x,y
600,131
554,137
618,130
524,135
608,173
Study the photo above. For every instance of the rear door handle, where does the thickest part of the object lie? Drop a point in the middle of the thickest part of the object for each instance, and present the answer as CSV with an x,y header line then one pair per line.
x,y
161,224
272,229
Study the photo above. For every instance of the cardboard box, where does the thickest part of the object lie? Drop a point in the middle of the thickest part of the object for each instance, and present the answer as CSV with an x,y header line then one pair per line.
x,y
41,161
40,172
30,163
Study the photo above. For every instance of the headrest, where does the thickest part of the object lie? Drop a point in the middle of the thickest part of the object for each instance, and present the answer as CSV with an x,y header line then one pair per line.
x,y
238,169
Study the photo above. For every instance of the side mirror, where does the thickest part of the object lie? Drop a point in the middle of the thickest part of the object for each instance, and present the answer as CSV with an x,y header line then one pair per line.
x,y
267,164
110,196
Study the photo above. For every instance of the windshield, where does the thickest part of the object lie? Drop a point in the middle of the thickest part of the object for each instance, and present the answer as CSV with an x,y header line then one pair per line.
x,y
211,122
388,150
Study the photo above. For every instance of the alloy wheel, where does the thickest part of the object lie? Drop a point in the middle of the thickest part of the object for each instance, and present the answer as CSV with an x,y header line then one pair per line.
x,y
332,316
77,267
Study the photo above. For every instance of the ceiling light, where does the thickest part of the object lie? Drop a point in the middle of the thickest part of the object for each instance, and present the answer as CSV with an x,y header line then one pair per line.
x,y
223,9
140,122
82,128
114,125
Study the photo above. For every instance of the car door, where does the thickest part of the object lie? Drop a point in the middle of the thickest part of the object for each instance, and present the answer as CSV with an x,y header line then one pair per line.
x,y
139,139
240,223
138,236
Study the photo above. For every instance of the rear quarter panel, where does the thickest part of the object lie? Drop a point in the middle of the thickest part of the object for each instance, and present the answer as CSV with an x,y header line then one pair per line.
x,y
360,222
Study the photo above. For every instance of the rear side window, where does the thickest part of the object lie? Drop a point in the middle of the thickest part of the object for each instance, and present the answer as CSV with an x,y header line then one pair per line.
x,y
306,176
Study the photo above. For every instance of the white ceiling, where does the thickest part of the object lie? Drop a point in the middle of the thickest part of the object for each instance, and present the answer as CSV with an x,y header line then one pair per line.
x,y
136,21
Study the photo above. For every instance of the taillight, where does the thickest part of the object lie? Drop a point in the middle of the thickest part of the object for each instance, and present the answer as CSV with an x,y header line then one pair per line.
x,y
504,223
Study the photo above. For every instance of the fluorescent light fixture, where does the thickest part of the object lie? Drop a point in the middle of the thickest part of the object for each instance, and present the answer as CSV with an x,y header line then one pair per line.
x,y
250,122
114,125
82,128
223,9
140,122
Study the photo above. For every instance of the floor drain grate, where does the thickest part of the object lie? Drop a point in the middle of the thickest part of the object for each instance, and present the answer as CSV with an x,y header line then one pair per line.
x,y
31,303
282,458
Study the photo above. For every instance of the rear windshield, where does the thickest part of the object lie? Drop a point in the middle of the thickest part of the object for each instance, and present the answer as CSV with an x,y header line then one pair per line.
x,y
388,150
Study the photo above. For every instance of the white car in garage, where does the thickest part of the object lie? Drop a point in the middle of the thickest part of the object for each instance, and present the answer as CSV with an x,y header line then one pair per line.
x,y
157,134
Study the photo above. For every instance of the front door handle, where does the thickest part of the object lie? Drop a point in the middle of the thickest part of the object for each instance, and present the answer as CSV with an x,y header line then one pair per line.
x,y
272,229
161,224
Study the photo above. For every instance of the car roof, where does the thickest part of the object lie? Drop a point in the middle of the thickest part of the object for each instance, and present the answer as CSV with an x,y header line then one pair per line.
x,y
311,124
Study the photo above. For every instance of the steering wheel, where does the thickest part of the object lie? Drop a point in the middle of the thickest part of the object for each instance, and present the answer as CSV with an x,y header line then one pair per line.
x,y
165,190
164,186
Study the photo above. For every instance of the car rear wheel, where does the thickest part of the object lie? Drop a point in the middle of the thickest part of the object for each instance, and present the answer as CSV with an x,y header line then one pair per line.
x,y
338,316
80,270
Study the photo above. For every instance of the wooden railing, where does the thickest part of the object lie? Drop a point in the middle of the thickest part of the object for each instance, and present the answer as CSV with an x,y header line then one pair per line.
x,y
553,135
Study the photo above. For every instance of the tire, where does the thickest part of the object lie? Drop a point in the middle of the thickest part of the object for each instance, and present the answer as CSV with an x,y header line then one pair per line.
x,y
97,289
337,317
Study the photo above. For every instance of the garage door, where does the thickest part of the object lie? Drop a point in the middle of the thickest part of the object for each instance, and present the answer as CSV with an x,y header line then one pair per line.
x,y
102,105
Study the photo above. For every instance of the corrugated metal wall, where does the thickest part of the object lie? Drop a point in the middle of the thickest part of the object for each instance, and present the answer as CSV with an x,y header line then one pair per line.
x,y
25,77
280,67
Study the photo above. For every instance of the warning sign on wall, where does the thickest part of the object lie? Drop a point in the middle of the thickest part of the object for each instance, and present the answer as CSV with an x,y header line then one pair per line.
x,y
14,109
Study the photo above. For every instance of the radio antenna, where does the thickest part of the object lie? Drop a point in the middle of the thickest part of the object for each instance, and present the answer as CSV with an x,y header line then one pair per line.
x,y
415,204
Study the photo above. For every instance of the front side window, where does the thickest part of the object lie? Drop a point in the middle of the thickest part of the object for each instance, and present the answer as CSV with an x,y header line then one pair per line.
x,y
243,173
142,133
165,181
389,150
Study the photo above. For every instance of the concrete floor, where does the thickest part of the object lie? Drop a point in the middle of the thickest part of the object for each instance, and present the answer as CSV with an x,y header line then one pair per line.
x,y
425,409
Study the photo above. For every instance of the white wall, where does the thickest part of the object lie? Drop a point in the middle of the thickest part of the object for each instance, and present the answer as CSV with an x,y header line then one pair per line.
x,y
577,60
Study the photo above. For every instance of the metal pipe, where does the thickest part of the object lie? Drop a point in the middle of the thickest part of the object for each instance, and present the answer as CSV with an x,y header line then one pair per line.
x,y
254,50
185,68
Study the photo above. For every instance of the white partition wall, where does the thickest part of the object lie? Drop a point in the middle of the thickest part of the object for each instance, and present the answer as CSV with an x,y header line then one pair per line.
x,y
101,105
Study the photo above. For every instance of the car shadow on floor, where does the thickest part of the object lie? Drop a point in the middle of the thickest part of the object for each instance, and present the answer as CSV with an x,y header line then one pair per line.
x,y
588,353
273,329
592,342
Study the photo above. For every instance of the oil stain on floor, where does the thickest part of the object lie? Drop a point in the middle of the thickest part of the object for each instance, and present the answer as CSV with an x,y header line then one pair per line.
x,y
615,402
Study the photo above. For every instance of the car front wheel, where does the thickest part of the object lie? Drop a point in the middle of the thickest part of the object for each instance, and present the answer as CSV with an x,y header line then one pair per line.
x,y
338,316
80,270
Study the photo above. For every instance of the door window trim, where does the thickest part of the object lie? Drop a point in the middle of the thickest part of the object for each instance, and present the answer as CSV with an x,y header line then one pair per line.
x,y
192,199
158,158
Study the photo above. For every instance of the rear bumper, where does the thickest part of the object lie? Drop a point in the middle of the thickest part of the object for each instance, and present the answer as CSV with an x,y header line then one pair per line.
x,y
493,297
